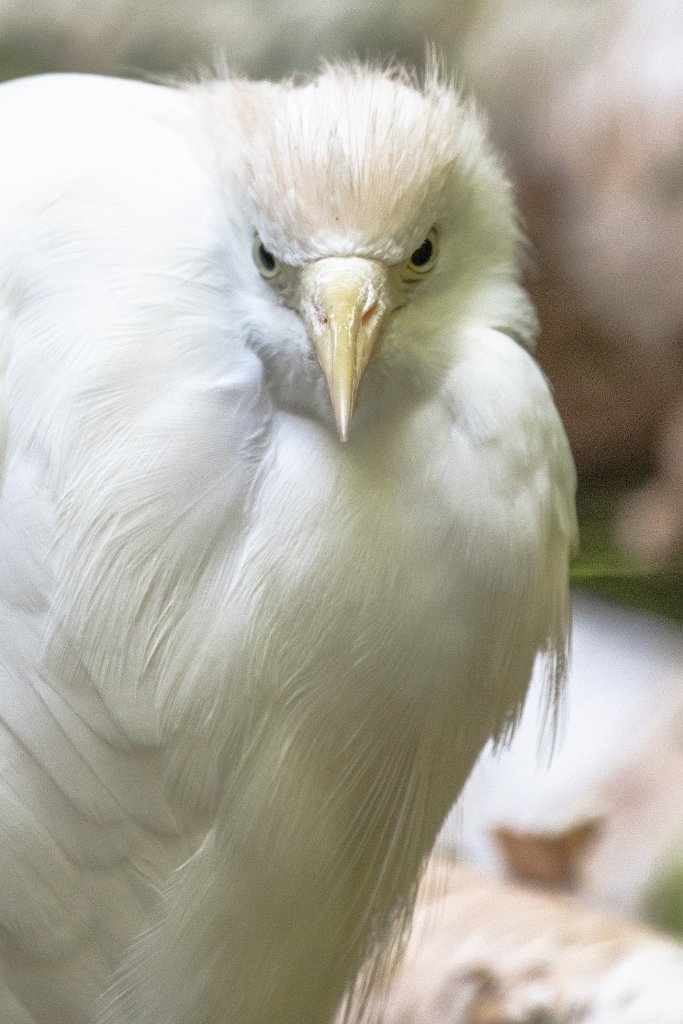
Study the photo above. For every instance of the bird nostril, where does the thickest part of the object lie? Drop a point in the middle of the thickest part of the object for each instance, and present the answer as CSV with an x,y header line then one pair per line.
x,y
368,314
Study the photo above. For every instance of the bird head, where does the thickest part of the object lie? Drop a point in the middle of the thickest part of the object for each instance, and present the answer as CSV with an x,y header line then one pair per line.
x,y
378,220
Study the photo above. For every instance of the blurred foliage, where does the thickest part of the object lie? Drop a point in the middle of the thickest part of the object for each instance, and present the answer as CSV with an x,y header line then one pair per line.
x,y
665,900
599,566
261,38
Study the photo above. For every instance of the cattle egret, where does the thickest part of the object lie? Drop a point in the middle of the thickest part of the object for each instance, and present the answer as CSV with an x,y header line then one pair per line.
x,y
284,527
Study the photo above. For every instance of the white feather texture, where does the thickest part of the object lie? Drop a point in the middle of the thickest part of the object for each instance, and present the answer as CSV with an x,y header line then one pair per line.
x,y
244,668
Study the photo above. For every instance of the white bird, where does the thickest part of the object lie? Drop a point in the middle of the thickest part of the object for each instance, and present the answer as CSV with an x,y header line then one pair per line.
x,y
245,667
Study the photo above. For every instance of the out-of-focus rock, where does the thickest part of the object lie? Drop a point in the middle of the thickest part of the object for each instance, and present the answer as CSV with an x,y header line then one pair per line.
x,y
650,523
483,952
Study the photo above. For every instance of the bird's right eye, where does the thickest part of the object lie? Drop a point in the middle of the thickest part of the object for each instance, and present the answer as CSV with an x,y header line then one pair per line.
x,y
268,265
422,260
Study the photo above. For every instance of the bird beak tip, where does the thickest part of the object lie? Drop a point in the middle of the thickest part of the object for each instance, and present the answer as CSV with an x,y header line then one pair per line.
x,y
343,427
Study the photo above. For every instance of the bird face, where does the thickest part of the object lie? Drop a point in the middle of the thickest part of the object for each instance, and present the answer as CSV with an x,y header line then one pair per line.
x,y
376,215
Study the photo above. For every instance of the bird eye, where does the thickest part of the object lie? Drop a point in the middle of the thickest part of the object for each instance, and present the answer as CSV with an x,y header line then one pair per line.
x,y
268,265
423,258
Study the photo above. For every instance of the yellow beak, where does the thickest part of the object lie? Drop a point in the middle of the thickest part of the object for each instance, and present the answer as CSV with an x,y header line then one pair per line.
x,y
344,304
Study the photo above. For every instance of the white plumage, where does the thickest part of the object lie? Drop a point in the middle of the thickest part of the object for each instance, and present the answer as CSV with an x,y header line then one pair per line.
x,y
245,668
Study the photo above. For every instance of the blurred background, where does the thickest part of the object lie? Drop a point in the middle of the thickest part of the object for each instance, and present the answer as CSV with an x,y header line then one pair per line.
x,y
585,102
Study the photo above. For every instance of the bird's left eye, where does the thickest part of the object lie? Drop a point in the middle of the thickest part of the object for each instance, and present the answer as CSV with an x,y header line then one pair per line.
x,y
422,260
268,265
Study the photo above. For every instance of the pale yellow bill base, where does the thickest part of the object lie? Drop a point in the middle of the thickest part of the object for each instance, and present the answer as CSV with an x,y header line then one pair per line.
x,y
344,303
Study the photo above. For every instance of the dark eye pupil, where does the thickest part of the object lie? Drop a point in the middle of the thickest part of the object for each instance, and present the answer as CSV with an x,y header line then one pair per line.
x,y
422,255
267,259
